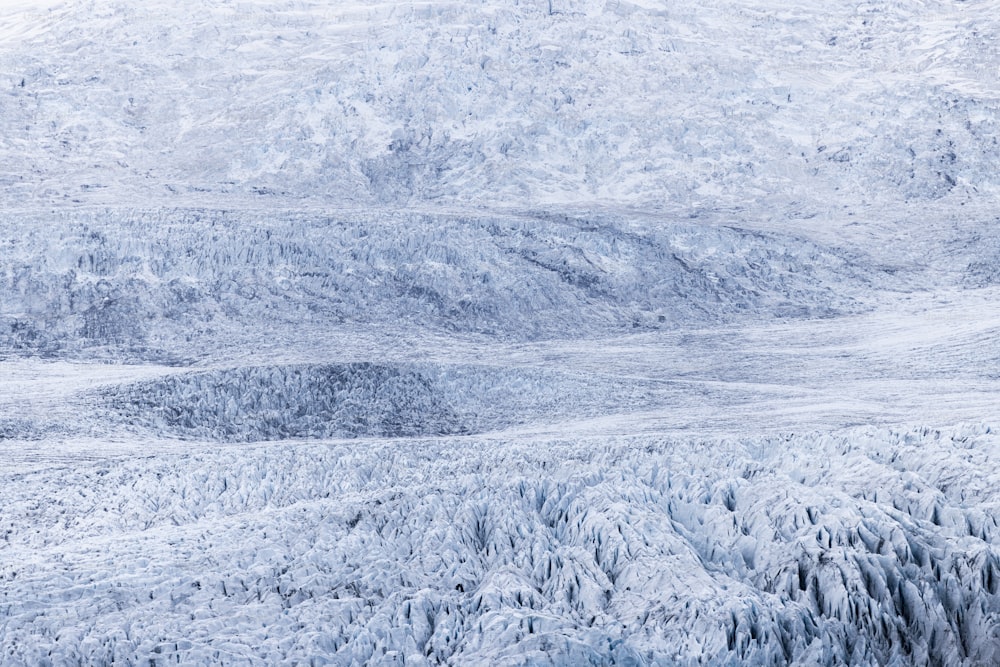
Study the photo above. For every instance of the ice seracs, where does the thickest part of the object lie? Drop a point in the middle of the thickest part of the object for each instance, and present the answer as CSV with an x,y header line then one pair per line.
x,y
560,332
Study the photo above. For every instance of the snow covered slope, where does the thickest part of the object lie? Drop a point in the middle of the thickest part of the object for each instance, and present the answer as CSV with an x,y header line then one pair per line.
x,y
158,284
644,104
514,333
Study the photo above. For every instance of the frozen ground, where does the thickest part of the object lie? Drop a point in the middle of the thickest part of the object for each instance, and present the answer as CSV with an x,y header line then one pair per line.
x,y
554,333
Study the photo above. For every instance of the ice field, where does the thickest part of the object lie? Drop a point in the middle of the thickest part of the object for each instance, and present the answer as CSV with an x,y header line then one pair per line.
x,y
555,333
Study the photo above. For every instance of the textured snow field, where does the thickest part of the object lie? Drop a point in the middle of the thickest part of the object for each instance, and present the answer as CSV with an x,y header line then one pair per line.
x,y
866,546
771,490
803,108
536,333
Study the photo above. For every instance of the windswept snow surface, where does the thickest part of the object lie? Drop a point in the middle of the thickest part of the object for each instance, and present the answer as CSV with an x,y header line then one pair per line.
x,y
529,333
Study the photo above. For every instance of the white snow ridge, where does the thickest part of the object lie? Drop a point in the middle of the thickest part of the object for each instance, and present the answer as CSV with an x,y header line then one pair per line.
x,y
568,332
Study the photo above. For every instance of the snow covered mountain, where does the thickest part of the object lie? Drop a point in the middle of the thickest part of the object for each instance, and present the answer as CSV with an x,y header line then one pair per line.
x,y
507,333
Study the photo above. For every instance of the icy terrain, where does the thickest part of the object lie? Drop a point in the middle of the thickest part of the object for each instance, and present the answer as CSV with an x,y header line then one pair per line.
x,y
527,333
648,103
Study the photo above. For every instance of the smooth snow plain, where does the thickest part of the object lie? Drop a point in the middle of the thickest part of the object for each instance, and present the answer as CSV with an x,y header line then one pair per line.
x,y
555,333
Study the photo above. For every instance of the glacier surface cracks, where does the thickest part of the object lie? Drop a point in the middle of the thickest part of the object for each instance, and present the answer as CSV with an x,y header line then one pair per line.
x,y
555,333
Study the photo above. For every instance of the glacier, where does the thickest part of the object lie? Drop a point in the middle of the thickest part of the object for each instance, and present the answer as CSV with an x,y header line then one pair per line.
x,y
562,332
